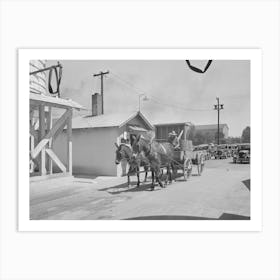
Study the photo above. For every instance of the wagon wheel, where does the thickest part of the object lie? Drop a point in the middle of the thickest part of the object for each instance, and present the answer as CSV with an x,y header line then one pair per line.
x,y
202,162
187,168
190,168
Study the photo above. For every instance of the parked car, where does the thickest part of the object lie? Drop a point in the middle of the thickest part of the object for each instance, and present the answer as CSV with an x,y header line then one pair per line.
x,y
220,154
242,155
204,148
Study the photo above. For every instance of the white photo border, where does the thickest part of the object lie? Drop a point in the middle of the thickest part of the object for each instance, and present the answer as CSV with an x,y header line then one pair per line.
x,y
255,57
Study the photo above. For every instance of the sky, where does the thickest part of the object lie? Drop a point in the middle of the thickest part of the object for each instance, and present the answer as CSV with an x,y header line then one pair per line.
x,y
173,91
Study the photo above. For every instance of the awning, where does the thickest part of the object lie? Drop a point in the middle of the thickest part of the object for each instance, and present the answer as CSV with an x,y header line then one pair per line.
x,y
137,128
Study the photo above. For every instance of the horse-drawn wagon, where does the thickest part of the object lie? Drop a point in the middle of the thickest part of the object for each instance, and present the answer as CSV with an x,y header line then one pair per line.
x,y
182,161
156,154
184,157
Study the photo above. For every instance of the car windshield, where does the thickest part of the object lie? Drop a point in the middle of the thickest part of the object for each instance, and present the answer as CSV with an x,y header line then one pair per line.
x,y
244,147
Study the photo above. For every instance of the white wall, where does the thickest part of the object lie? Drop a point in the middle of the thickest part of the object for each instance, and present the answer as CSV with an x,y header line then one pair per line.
x,y
93,150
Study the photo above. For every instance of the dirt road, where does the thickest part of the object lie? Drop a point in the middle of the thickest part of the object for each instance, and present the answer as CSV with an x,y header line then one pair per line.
x,y
222,192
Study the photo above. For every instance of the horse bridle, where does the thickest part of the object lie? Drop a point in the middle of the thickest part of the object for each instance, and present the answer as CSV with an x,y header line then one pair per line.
x,y
125,155
148,152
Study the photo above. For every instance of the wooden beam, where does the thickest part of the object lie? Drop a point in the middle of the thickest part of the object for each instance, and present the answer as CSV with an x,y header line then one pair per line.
x,y
32,143
34,133
42,131
56,160
32,120
69,142
58,124
50,144
35,102
37,99
50,134
39,147
59,130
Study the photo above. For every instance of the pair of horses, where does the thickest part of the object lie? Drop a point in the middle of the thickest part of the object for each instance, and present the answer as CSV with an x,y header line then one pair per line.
x,y
153,156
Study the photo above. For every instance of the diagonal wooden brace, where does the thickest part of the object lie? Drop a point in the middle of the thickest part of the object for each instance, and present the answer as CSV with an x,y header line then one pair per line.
x,y
60,122
54,157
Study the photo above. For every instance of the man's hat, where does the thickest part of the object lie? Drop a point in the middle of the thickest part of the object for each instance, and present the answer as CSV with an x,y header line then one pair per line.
x,y
173,133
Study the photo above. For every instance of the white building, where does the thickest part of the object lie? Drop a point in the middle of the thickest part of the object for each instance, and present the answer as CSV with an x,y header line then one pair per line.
x,y
212,129
93,141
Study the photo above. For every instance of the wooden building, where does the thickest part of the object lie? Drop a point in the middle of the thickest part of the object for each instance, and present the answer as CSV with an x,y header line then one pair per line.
x,y
43,130
162,130
94,150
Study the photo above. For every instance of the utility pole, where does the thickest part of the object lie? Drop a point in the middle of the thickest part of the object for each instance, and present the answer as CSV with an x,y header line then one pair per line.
x,y
218,107
101,74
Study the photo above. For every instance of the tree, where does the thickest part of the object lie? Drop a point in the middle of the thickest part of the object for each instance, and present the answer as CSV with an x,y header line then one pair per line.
x,y
198,138
209,137
221,137
245,138
233,140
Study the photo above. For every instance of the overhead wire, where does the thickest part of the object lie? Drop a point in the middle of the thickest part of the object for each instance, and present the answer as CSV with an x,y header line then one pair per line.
x,y
153,98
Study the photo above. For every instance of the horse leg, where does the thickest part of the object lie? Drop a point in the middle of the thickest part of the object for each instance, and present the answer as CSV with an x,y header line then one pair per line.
x,y
146,174
159,181
128,181
167,175
158,174
153,181
138,179
175,173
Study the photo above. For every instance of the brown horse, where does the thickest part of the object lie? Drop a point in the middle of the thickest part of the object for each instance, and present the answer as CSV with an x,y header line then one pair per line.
x,y
158,155
124,152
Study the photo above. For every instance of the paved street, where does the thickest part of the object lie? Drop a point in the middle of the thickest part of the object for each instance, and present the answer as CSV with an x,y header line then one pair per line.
x,y
222,192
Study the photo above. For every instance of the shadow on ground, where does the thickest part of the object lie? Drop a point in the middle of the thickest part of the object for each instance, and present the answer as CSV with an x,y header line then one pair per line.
x,y
123,188
247,184
84,176
224,216
144,186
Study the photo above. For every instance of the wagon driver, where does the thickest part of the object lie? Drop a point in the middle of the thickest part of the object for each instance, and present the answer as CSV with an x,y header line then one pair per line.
x,y
173,139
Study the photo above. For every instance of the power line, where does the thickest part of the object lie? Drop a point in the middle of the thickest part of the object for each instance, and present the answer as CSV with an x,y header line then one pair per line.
x,y
137,90
152,98
155,99
178,107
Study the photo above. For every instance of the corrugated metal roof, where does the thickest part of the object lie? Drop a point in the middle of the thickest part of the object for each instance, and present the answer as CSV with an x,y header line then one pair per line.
x,y
107,120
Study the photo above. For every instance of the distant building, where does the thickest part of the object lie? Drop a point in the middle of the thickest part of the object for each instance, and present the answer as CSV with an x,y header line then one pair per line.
x,y
212,129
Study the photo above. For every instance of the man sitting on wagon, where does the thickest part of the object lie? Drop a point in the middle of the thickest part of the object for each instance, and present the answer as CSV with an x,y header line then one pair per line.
x,y
173,139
